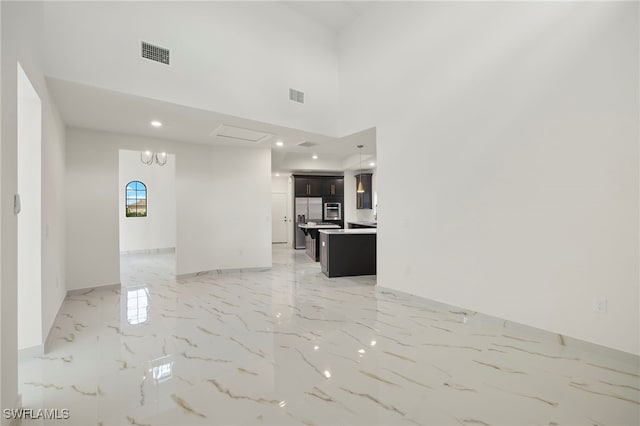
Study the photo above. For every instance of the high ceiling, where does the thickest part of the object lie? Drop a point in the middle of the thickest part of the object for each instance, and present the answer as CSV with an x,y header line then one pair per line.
x,y
96,108
334,15
208,86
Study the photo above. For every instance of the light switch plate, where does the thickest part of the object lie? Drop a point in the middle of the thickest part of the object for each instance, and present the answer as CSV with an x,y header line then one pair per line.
x,y
600,305
16,204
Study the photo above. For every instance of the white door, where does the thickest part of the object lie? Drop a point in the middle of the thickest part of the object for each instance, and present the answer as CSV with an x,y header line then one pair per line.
x,y
279,218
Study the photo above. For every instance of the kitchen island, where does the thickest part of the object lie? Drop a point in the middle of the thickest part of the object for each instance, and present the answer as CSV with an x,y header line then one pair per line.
x,y
312,242
348,252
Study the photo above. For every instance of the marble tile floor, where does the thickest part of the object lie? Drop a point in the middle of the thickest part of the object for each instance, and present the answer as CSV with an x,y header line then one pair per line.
x,y
289,346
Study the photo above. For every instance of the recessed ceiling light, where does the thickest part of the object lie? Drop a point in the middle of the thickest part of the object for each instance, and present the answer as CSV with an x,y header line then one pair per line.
x,y
277,174
315,157
280,143
156,124
371,164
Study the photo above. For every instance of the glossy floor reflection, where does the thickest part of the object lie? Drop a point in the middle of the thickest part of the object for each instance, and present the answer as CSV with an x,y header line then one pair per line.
x,y
290,346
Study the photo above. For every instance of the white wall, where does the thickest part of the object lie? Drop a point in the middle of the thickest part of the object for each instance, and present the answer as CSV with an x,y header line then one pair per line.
x,y
22,41
30,217
238,58
158,229
351,213
54,275
507,157
280,183
3,196
223,206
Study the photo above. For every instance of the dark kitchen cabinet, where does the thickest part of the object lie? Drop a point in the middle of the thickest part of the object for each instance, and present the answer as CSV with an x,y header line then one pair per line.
x,y
364,200
308,187
333,188
301,187
329,187
315,188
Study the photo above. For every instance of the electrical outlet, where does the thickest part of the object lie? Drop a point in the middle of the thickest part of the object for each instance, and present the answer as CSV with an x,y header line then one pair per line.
x,y
600,305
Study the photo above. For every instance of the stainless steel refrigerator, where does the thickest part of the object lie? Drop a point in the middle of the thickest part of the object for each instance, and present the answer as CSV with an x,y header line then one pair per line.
x,y
307,209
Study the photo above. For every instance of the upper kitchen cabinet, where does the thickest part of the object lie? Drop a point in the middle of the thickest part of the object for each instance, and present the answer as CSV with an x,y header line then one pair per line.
x,y
364,199
301,186
308,187
333,188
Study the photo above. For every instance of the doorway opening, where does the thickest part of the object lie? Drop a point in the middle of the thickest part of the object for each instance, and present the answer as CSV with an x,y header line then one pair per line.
x,y
147,219
29,205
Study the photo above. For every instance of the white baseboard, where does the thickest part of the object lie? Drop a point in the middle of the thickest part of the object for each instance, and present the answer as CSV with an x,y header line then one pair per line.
x,y
560,339
31,351
148,251
222,271
16,406
87,290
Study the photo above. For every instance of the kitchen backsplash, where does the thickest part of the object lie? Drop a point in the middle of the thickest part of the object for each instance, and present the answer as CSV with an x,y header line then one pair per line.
x,y
365,215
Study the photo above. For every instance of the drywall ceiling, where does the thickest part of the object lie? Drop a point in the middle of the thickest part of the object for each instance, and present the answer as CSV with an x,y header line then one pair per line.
x,y
335,15
101,109
241,58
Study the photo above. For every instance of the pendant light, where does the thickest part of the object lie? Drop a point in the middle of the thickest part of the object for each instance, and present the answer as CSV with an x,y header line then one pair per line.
x,y
360,189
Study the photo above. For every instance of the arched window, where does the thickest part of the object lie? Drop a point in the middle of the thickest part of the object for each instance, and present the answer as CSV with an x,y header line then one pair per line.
x,y
136,199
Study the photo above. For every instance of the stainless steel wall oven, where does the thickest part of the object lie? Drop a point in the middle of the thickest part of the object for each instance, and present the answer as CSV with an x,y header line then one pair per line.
x,y
332,211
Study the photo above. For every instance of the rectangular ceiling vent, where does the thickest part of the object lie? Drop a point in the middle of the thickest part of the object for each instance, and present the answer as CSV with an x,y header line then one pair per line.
x,y
240,134
296,96
306,144
155,53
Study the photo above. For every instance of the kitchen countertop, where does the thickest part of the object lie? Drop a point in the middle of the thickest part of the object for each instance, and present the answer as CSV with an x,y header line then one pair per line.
x,y
349,231
363,223
318,226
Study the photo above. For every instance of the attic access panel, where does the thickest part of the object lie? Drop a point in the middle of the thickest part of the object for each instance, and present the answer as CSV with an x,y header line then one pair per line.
x,y
240,134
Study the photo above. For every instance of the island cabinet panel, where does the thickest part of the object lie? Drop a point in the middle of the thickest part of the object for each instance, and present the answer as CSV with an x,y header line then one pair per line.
x,y
344,255
311,246
333,188
324,259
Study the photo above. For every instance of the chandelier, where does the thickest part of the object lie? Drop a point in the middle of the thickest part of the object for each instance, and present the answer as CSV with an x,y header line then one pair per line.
x,y
148,158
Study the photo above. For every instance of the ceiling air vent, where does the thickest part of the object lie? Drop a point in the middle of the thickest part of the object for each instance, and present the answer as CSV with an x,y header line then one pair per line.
x,y
296,96
306,144
155,53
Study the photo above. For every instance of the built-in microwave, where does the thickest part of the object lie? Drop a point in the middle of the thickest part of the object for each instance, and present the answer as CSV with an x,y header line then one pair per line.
x,y
332,211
